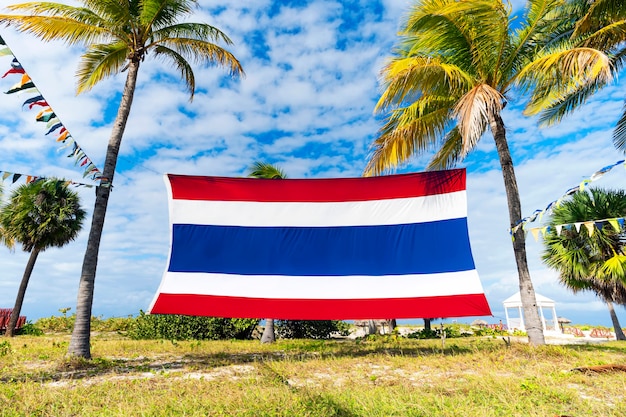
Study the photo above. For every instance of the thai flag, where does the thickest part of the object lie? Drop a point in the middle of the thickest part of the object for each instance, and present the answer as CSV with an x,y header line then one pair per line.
x,y
349,248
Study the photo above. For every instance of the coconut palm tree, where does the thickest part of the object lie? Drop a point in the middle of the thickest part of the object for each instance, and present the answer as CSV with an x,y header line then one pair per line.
x,y
598,25
265,170
450,77
40,215
119,35
590,259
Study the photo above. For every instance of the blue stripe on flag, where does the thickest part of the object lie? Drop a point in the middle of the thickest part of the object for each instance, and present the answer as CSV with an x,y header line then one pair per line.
x,y
323,251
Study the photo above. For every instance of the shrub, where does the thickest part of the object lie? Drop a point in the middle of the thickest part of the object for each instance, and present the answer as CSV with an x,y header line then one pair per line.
x,y
5,348
60,324
54,324
112,324
29,329
179,327
451,331
310,329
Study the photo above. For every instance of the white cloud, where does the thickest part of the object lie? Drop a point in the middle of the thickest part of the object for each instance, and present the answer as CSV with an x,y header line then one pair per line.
x,y
306,104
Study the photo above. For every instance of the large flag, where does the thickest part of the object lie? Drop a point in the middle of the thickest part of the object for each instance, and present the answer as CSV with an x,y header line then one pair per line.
x,y
349,248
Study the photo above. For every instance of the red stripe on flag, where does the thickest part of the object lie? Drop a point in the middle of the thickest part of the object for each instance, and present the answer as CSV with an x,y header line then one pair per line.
x,y
304,309
317,190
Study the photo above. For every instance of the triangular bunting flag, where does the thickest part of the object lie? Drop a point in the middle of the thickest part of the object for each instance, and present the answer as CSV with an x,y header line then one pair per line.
x,y
590,228
535,233
615,224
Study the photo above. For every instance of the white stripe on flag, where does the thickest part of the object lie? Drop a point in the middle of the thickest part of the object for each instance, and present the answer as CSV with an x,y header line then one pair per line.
x,y
351,213
323,288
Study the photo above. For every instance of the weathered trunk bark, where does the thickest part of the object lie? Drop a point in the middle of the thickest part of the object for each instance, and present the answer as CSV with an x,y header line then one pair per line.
x,y
80,341
371,327
619,334
268,332
19,300
427,325
532,321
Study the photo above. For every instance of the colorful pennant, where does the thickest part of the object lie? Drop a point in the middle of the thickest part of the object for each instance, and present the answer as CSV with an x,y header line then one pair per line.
x,y
48,116
15,177
538,214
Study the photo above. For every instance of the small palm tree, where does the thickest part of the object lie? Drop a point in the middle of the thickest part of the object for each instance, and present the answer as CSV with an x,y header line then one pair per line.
x,y
589,261
119,35
40,215
268,171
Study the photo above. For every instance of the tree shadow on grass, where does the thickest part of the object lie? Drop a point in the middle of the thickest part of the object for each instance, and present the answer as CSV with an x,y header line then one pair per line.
x,y
284,350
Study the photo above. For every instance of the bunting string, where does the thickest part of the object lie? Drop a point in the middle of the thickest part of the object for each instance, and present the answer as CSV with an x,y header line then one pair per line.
x,y
617,223
46,115
538,214
15,177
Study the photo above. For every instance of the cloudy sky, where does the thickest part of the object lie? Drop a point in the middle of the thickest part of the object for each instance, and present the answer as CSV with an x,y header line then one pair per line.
x,y
306,105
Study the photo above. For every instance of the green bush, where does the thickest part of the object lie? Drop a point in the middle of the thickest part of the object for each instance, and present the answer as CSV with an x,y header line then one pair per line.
x,y
488,331
29,329
179,327
451,331
423,334
56,324
112,324
60,324
310,329
5,348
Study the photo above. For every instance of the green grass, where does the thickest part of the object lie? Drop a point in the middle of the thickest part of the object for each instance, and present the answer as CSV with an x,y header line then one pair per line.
x,y
382,376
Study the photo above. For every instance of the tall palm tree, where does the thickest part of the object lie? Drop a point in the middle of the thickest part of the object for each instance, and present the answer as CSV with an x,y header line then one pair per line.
x,y
450,77
598,25
40,215
118,36
265,170
590,261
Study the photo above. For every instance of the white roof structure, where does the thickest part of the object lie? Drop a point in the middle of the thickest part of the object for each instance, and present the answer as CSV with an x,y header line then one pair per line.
x,y
515,302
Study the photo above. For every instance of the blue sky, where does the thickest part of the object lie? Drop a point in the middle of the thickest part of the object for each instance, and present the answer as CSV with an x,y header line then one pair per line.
x,y
306,105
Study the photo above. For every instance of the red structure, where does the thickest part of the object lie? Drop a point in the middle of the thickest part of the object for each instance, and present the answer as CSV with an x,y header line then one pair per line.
x,y
5,317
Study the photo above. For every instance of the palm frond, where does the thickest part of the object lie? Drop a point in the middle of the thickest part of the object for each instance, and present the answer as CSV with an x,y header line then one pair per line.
x,y
99,62
197,31
450,152
204,52
158,13
464,32
598,13
266,170
560,73
557,106
619,134
473,111
186,72
400,77
408,131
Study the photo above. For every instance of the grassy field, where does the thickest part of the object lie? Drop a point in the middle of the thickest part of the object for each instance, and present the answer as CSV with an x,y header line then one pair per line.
x,y
381,376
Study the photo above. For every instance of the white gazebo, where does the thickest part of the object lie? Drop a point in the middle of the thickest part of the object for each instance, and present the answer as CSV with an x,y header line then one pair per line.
x,y
514,303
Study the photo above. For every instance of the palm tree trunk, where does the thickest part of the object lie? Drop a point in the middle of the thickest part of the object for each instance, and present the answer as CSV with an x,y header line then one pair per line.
x,y
80,341
532,322
619,334
268,332
427,325
19,300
